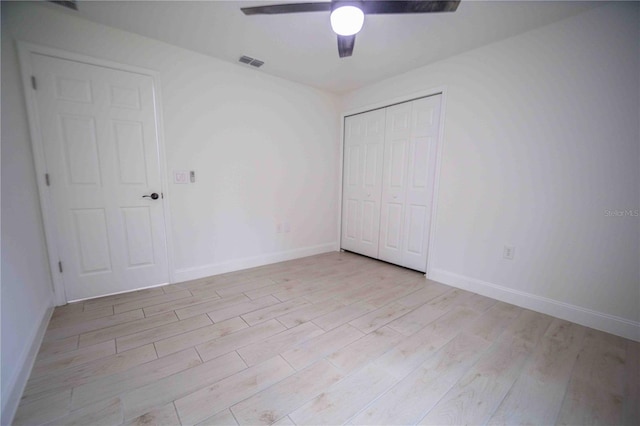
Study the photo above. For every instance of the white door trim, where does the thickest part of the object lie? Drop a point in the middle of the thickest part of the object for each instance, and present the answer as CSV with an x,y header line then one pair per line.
x,y
24,52
441,90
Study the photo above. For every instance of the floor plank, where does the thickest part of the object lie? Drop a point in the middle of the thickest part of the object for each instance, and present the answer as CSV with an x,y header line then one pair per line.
x,y
412,397
276,402
239,339
140,400
122,298
159,333
379,318
74,317
270,312
587,404
209,306
536,397
151,301
55,347
341,401
102,413
364,350
195,337
242,308
475,397
311,350
308,313
210,400
177,304
128,380
261,351
223,418
130,327
43,410
72,377
407,355
163,415
77,328
74,357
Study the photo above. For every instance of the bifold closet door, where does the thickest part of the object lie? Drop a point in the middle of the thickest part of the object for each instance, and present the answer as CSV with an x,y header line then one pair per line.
x,y
411,132
362,182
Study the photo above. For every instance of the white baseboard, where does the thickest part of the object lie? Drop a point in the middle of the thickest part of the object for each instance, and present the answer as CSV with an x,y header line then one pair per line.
x,y
587,317
188,274
18,382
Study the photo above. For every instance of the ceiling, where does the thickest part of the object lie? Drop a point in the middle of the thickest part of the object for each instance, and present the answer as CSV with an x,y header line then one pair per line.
x,y
302,47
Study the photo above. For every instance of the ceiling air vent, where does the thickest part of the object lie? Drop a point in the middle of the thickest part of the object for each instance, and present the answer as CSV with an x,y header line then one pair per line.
x,y
71,4
251,61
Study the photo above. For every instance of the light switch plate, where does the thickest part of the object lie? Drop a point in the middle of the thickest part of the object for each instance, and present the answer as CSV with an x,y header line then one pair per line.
x,y
180,176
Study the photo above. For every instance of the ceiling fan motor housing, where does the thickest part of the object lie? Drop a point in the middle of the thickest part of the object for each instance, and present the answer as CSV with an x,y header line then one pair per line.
x,y
347,26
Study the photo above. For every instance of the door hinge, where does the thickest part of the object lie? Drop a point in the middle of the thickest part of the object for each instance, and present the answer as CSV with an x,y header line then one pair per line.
x,y
46,179
33,82
60,266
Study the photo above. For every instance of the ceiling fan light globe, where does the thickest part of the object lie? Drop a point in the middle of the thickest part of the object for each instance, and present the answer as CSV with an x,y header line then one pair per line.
x,y
347,20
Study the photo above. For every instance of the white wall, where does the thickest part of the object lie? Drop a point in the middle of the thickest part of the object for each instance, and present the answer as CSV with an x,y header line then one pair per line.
x,y
27,291
541,138
264,150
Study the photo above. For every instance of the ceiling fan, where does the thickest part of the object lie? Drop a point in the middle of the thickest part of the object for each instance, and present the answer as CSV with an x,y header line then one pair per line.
x,y
347,17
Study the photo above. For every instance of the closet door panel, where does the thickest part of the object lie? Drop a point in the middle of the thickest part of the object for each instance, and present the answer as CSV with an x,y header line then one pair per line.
x,y
394,178
362,182
350,200
421,174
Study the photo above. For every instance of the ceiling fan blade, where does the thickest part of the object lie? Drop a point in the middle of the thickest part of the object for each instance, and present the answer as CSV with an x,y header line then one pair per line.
x,y
345,45
287,8
377,7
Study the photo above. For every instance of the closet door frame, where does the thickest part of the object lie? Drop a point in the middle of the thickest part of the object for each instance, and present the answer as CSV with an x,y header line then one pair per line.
x,y
440,90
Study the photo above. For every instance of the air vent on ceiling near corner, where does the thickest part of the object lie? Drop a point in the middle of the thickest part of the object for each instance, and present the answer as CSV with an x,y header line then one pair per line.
x,y
251,61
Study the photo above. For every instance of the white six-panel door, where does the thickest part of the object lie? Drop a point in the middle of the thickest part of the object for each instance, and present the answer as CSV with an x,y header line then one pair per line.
x,y
362,182
101,150
394,181
411,131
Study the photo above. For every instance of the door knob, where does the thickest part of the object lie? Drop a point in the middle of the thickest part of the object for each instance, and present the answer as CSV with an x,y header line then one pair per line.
x,y
153,196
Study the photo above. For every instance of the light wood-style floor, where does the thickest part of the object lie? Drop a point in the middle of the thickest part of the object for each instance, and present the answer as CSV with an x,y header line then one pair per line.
x,y
329,339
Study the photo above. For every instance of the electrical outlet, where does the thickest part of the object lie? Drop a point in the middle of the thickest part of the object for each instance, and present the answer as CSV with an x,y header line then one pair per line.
x,y
279,228
286,227
509,252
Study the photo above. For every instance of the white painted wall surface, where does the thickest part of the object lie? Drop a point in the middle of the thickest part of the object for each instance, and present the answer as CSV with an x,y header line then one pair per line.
x,y
26,289
265,151
541,139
